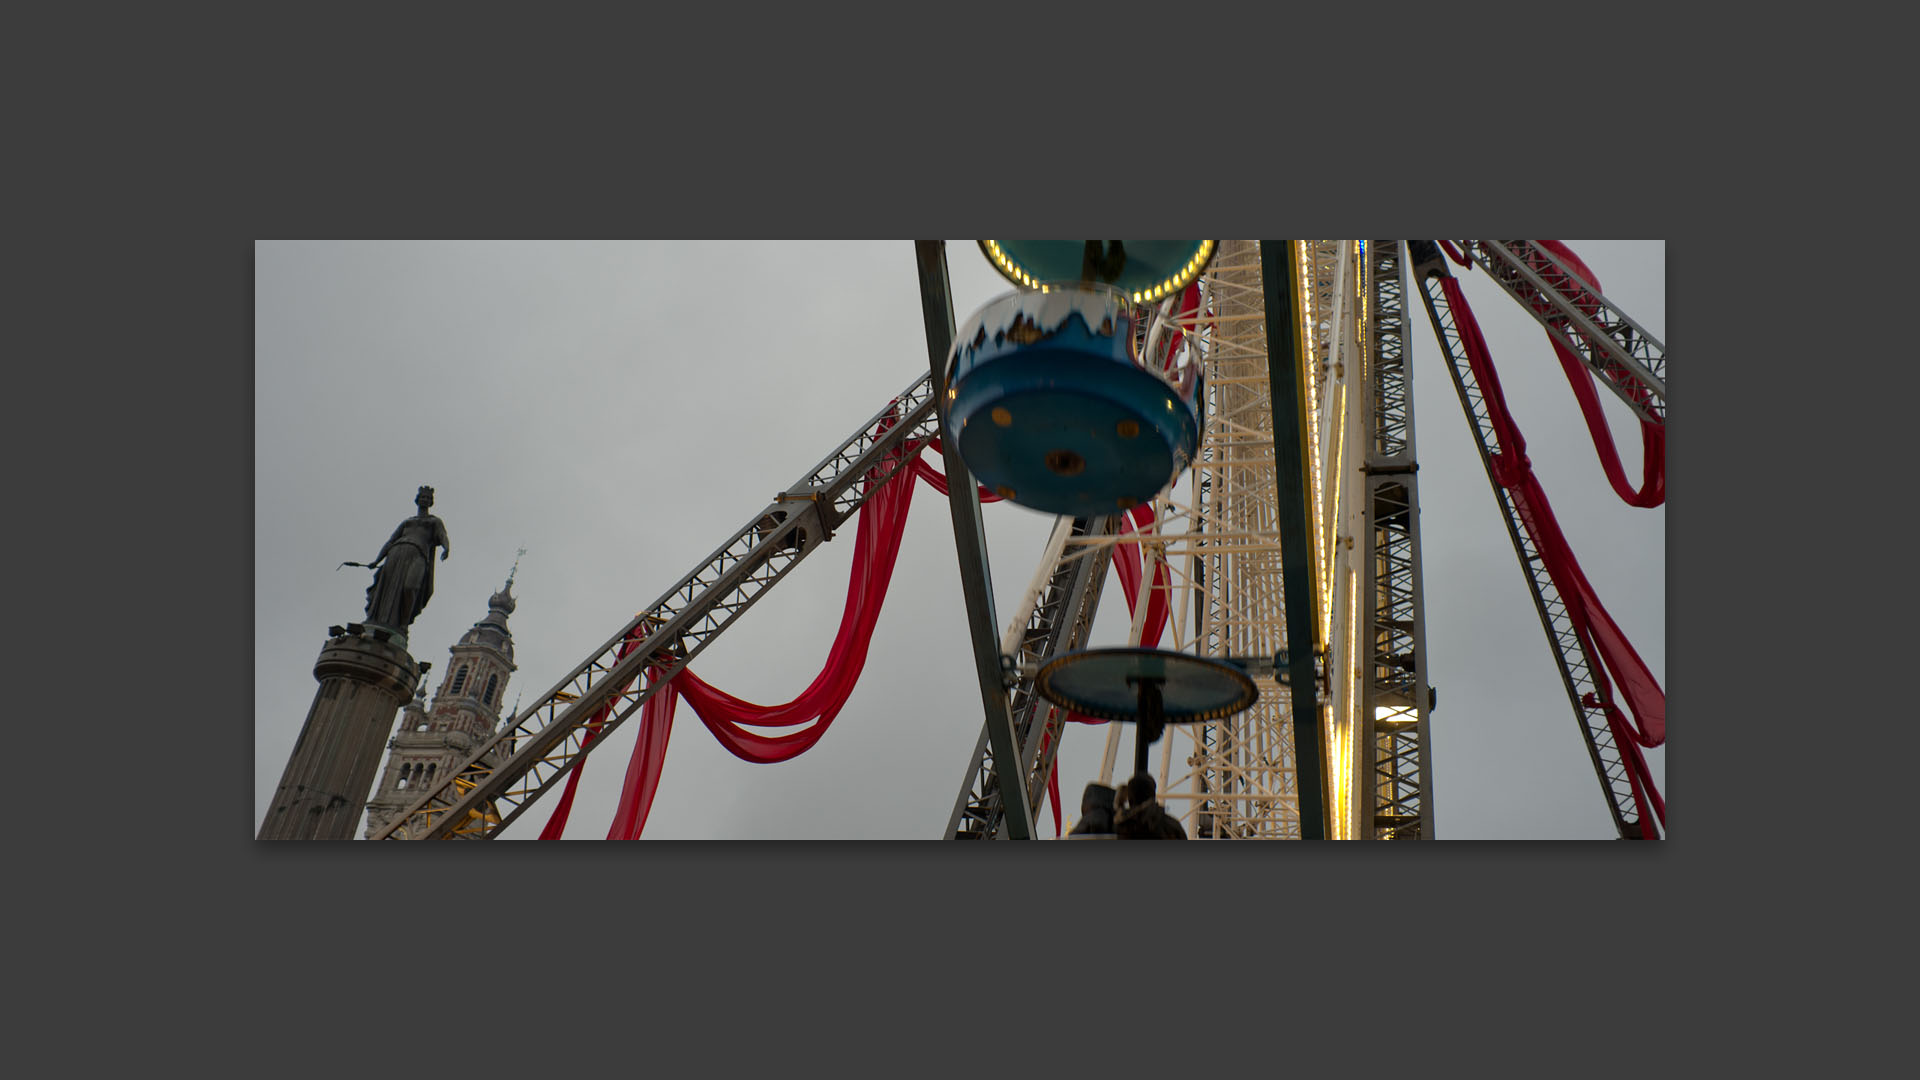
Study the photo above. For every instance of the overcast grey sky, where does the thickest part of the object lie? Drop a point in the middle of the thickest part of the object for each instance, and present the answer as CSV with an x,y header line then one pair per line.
x,y
620,408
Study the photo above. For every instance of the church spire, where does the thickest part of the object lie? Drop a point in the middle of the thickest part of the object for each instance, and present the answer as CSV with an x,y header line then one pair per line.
x,y
436,740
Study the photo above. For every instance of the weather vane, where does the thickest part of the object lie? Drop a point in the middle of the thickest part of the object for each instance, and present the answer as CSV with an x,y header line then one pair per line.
x,y
516,565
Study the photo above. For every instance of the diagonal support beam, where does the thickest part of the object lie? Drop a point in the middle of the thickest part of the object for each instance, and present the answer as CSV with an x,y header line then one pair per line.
x,y
970,540
1286,364
542,744
1635,371
1569,652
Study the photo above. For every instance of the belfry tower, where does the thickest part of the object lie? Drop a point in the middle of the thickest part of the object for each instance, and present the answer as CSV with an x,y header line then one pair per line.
x,y
431,742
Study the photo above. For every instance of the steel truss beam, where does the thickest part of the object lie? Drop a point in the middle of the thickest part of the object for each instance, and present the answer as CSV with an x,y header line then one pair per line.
x,y
540,746
1429,266
970,541
1396,701
1060,619
1630,361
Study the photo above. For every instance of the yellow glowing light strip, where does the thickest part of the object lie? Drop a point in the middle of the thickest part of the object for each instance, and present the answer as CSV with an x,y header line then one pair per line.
x,y
1353,686
1310,391
1362,283
1169,285
1339,771
1339,469
1006,265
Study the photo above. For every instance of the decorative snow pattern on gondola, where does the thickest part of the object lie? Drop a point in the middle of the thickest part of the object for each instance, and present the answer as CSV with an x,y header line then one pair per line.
x,y
1025,318
1052,410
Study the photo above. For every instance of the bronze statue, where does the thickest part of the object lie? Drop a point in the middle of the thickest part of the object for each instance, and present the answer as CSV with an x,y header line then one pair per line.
x,y
403,571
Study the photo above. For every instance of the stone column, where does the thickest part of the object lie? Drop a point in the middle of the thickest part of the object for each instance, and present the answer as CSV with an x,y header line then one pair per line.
x,y
364,681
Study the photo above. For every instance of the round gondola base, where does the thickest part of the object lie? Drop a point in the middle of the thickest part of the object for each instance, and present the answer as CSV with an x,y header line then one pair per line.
x,y
1073,437
1106,684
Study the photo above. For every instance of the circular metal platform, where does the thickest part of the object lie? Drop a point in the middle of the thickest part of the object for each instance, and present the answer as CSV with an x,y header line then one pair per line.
x,y
1104,683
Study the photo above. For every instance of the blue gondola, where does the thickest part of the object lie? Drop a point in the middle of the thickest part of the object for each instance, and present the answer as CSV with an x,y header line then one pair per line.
x,y
1052,409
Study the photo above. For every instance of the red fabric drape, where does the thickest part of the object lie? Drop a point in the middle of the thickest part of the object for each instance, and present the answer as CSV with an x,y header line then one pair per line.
x,y
938,480
1653,437
644,767
557,821
882,521
1595,628
1128,563
883,518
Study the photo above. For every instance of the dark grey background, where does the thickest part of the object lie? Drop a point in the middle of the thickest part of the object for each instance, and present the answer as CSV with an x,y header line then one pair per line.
x,y
620,408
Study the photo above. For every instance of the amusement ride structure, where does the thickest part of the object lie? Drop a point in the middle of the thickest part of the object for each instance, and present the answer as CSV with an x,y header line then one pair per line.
x,y
1227,428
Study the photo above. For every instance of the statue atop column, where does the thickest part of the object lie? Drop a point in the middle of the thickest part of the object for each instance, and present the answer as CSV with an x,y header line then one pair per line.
x,y
403,571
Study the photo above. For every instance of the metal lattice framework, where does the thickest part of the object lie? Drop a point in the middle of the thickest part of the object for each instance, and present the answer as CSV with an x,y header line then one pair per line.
x,y
1576,667
1396,699
549,738
1218,533
1058,620
1630,361
1235,778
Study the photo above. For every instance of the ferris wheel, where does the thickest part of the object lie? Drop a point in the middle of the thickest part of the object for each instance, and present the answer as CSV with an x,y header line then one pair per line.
x,y
1215,577
1275,667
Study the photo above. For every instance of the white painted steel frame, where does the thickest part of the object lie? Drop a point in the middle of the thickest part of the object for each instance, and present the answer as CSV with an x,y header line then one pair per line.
x,y
1216,532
